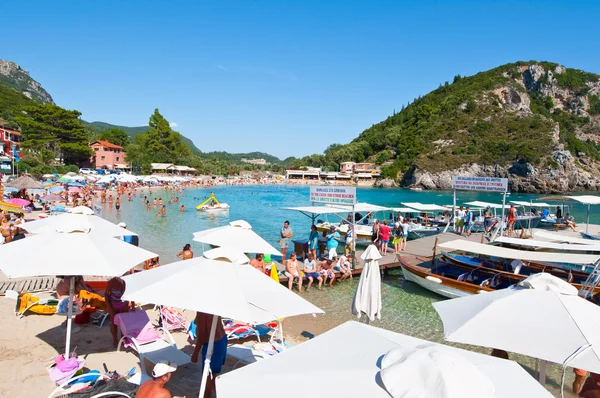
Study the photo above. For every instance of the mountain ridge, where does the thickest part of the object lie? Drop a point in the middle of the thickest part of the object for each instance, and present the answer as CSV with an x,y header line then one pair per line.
x,y
536,123
18,89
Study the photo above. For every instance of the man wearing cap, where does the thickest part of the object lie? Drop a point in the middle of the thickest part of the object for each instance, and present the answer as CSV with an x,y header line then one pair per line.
x,y
333,238
155,388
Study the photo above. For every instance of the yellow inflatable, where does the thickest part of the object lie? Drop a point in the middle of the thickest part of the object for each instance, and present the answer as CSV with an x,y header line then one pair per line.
x,y
27,302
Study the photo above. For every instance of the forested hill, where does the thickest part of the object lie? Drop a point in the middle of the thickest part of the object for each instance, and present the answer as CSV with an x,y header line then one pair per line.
x,y
133,131
534,122
52,132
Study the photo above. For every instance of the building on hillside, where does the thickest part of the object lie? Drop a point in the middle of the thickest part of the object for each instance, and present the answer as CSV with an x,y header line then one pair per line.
x,y
347,167
171,168
106,154
364,167
9,139
254,161
311,173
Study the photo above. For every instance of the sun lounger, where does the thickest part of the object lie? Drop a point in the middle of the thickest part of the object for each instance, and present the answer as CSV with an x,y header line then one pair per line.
x,y
172,319
140,335
236,330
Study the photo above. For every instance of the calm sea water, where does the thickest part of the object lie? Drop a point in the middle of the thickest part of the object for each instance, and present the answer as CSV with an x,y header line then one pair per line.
x,y
262,207
406,306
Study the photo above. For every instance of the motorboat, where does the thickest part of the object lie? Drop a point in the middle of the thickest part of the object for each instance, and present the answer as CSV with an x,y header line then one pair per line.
x,y
212,204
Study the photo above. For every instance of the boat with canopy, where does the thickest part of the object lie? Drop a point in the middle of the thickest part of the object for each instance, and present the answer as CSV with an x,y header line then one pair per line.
x,y
454,279
212,204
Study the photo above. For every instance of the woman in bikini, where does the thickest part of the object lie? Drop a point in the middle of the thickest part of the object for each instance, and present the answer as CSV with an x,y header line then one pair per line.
x,y
114,303
6,228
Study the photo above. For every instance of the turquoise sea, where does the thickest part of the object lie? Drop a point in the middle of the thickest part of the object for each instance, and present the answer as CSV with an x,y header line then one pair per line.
x,y
406,306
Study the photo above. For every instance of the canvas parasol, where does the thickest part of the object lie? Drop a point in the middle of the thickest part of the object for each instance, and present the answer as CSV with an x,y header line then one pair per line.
x,y
367,298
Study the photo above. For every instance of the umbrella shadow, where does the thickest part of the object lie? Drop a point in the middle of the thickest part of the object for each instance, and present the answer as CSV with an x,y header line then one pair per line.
x,y
89,339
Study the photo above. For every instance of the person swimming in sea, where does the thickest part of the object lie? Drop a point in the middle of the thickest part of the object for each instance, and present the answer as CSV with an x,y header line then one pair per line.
x,y
163,211
117,204
148,205
181,208
154,202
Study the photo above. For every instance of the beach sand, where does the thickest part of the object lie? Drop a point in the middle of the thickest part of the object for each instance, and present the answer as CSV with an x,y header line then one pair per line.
x,y
28,344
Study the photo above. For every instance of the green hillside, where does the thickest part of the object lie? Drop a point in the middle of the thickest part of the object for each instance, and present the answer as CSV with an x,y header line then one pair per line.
x,y
133,131
237,157
496,117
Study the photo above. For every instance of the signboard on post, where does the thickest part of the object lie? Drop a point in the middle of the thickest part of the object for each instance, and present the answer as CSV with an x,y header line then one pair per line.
x,y
345,196
485,184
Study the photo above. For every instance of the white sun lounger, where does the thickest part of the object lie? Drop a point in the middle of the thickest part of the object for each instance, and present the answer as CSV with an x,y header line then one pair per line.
x,y
154,344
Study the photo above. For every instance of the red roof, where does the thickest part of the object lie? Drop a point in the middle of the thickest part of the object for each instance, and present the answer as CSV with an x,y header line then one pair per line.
x,y
107,144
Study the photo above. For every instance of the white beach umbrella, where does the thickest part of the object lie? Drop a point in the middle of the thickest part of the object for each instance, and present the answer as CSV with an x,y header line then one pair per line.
x,y
544,319
71,252
96,225
239,235
81,210
367,298
364,369
228,254
219,288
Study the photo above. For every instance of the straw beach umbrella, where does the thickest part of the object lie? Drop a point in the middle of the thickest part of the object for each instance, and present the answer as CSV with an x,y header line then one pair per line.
x,y
25,182
384,364
70,250
543,318
219,288
367,298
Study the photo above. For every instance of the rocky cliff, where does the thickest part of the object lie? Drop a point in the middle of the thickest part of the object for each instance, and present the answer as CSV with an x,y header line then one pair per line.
x,y
13,76
570,104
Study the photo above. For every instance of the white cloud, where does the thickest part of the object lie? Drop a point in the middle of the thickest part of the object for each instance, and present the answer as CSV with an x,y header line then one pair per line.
x,y
173,125
221,67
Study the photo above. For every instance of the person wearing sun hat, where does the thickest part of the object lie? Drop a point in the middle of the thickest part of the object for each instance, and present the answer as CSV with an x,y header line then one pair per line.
x,y
155,388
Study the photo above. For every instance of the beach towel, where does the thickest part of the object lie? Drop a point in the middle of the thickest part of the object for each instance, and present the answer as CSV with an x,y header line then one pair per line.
x,y
172,319
93,299
65,370
138,325
31,303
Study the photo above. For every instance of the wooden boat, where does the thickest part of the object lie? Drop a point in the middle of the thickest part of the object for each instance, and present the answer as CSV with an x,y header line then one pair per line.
x,y
521,267
451,280
456,280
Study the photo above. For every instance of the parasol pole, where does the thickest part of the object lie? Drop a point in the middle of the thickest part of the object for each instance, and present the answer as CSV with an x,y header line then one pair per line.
x,y
69,316
206,372
587,223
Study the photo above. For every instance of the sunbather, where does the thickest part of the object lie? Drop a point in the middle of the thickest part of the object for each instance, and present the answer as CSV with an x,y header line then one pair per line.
x,y
203,325
292,271
114,304
311,271
327,272
155,388
342,265
570,221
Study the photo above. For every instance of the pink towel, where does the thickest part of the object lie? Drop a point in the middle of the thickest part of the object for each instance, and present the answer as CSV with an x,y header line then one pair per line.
x,y
65,370
138,325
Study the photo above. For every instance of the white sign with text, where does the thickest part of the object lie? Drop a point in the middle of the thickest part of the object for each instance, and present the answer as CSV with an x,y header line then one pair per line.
x,y
333,195
486,184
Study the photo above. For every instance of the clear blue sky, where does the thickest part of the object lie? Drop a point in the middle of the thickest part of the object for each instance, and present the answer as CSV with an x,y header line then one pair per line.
x,y
288,78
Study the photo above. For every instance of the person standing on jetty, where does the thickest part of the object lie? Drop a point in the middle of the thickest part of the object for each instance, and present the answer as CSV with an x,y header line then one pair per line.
x,y
286,234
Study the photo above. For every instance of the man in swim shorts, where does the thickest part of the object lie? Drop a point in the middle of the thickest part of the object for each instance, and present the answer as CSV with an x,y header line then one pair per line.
x,y
203,325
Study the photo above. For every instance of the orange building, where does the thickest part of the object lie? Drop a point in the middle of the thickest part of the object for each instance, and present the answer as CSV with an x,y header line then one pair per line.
x,y
106,155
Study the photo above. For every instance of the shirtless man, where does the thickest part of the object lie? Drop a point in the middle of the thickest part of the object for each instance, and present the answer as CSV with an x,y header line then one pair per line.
x,y
62,289
292,271
155,388
203,325
258,263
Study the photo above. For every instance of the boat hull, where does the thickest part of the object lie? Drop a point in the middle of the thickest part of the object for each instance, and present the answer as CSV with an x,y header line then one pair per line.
x,y
443,289
589,236
208,209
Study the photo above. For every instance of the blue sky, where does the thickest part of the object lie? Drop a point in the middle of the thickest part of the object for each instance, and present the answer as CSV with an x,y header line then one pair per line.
x,y
287,78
